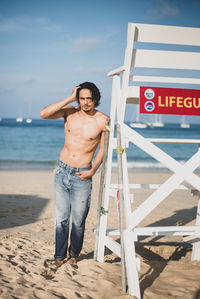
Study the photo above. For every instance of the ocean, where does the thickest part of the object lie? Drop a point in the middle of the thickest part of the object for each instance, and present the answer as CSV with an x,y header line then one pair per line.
x,y
37,145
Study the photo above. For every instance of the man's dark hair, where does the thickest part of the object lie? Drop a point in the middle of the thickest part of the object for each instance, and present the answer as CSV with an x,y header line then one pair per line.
x,y
94,90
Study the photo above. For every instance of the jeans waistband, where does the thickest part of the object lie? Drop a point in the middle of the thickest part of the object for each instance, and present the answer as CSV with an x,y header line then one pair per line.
x,y
77,169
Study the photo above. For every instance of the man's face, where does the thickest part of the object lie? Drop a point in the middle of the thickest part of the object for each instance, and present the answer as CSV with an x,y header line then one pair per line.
x,y
85,100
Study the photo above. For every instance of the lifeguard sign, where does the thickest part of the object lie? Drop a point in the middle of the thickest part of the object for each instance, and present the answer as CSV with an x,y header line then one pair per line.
x,y
161,100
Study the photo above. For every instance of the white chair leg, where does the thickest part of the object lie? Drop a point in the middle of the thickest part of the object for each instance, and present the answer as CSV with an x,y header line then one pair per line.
x,y
131,265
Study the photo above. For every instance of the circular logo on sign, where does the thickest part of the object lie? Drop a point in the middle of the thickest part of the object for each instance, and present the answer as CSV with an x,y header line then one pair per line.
x,y
149,106
149,94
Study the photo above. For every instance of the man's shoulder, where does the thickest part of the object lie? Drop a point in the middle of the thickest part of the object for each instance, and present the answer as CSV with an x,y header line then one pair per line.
x,y
101,118
73,108
101,115
69,110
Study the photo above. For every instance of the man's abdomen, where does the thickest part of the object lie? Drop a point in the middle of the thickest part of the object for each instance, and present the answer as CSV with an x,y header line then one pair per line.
x,y
76,158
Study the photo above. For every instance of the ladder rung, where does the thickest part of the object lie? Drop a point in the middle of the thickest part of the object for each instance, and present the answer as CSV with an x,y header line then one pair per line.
x,y
112,232
192,239
168,230
112,245
146,186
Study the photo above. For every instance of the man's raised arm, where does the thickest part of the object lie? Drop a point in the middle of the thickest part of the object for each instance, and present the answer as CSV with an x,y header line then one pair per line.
x,y
56,110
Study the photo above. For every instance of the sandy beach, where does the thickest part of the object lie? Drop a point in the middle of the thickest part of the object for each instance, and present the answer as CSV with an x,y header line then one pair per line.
x,y
27,244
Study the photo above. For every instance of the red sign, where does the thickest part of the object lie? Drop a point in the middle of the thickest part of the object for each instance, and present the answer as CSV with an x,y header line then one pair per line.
x,y
159,100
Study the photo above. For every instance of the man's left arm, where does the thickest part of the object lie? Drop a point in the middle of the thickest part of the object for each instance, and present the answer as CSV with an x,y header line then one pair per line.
x,y
99,157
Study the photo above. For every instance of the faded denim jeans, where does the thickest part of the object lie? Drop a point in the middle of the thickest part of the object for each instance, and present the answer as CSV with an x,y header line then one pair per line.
x,y
72,197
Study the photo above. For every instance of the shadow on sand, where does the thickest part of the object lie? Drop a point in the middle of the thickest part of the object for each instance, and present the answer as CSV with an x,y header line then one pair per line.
x,y
151,256
18,210
178,250
157,263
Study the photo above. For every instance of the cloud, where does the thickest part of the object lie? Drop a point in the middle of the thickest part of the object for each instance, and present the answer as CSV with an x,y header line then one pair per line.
x,y
86,44
26,23
46,25
11,82
10,25
97,70
164,8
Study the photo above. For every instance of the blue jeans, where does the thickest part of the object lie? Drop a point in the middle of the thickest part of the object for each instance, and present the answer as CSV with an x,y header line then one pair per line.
x,y
72,196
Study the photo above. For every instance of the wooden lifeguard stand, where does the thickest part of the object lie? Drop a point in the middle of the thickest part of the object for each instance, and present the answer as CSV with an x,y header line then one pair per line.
x,y
123,92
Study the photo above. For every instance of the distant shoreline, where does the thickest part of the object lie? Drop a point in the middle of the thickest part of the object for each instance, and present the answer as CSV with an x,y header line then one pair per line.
x,y
50,166
114,170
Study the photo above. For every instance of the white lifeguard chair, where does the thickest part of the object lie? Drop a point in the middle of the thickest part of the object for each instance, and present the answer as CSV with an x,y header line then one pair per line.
x,y
125,90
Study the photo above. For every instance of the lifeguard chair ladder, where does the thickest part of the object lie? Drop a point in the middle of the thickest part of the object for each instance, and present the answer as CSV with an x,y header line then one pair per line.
x,y
123,93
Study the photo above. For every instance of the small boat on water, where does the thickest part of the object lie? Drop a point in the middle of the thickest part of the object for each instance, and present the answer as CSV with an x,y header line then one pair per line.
x,y
184,124
29,120
137,123
19,119
157,122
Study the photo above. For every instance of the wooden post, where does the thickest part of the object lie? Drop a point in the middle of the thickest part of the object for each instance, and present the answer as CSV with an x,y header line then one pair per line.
x,y
111,146
121,206
101,187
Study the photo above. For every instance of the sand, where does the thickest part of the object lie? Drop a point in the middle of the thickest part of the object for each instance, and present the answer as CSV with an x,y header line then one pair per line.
x,y
27,244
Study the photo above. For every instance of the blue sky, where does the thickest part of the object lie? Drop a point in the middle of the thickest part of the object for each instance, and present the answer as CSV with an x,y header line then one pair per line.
x,y
47,47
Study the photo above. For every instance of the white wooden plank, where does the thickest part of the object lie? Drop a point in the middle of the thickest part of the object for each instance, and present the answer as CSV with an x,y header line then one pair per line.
x,y
113,246
184,172
131,266
192,239
162,230
113,232
167,34
170,140
121,209
115,187
116,71
133,93
126,74
196,252
150,148
166,59
127,203
113,193
181,172
161,156
158,79
103,219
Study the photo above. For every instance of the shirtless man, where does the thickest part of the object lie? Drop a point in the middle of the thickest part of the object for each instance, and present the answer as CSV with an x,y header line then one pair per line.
x,y
84,131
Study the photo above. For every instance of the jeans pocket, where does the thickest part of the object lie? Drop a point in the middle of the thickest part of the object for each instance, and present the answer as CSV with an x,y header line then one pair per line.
x,y
57,169
85,180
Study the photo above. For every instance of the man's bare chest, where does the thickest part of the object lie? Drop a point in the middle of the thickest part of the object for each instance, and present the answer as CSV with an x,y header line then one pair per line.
x,y
83,129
